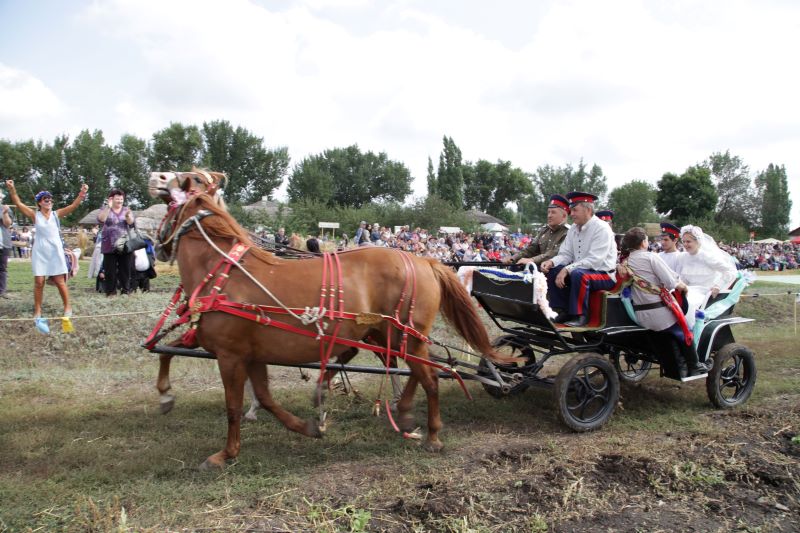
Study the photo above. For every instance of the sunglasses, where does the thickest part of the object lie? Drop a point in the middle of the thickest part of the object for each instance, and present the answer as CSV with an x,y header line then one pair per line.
x,y
47,200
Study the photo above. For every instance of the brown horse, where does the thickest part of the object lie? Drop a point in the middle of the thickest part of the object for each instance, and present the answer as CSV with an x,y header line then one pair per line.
x,y
243,347
177,187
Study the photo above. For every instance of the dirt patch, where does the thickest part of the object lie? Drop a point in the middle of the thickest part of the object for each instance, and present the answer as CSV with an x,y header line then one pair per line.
x,y
712,481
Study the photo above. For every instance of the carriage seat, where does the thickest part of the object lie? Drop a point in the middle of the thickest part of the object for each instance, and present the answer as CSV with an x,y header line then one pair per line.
x,y
605,308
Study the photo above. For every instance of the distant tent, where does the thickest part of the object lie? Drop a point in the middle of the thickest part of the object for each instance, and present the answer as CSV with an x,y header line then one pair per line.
x,y
494,226
449,229
768,241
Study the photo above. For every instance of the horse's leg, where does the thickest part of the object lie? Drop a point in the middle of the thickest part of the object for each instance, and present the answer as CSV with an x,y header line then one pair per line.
x,y
234,374
405,420
429,379
254,405
258,378
163,385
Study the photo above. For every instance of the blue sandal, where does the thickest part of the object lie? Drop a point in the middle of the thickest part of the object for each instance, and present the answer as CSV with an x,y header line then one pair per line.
x,y
41,325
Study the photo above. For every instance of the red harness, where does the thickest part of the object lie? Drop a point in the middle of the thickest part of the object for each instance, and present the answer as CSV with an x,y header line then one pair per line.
x,y
331,294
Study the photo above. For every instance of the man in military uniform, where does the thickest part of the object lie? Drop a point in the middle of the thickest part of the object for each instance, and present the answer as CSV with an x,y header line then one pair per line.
x,y
547,242
585,262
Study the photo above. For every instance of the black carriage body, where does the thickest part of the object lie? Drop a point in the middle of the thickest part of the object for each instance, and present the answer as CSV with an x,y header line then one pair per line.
x,y
512,302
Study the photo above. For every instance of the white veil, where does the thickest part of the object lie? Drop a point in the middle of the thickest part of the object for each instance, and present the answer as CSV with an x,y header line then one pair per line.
x,y
707,243
724,267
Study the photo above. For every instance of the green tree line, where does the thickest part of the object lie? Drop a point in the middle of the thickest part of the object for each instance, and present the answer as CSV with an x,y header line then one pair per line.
x,y
341,184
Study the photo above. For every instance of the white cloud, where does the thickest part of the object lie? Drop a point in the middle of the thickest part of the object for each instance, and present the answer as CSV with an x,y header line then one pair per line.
x,y
25,97
639,87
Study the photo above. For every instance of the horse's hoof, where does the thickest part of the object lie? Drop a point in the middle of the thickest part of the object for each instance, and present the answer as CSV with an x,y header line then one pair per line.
x,y
252,417
313,429
167,403
210,464
406,422
434,446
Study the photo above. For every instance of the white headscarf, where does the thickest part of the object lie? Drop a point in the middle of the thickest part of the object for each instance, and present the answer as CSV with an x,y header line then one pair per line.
x,y
696,232
706,242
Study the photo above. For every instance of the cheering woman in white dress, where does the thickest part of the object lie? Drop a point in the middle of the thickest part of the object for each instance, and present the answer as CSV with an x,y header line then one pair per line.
x,y
47,257
705,268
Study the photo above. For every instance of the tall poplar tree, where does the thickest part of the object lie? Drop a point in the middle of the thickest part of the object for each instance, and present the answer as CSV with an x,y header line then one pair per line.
x,y
431,178
450,179
776,203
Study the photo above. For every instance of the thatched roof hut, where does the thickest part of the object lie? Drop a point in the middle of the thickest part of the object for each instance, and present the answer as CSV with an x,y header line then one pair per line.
x,y
269,206
483,218
90,219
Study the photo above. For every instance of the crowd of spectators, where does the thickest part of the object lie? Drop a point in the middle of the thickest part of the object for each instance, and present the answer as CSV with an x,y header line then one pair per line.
x,y
755,256
458,246
501,246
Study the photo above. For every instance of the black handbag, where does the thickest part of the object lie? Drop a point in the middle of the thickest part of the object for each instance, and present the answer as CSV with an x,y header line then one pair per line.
x,y
129,242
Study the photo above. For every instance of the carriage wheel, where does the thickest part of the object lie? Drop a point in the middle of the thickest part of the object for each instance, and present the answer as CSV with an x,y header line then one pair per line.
x,y
630,367
731,381
507,346
587,391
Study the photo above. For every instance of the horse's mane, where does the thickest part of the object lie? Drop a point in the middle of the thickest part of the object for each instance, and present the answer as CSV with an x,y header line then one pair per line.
x,y
225,226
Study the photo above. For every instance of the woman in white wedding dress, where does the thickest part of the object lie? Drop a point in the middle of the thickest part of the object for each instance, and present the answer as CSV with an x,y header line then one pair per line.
x,y
704,268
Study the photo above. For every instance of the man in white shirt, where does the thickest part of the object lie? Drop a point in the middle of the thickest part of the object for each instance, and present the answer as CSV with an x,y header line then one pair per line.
x,y
670,234
585,262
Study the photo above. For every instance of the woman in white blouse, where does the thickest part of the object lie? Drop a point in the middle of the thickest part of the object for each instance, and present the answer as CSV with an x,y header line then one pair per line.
x,y
704,268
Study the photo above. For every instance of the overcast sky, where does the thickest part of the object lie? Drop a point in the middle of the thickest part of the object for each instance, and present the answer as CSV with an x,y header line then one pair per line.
x,y
638,87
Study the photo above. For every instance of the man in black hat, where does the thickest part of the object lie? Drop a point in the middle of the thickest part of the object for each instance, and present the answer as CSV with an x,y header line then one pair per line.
x,y
547,242
670,235
585,262
606,216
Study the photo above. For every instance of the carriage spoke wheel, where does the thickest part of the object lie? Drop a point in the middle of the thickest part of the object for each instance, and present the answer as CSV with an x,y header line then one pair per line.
x,y
507,346
586,392
630,367
731,381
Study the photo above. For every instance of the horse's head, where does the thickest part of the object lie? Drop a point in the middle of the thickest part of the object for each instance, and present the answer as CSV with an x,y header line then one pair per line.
x,y
181,218
177,187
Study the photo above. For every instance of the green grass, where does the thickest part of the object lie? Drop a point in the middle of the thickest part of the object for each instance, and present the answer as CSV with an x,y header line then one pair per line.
x,y
83,446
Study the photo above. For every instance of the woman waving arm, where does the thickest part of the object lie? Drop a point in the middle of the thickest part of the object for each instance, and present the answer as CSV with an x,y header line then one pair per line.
x,y
24,209
64,211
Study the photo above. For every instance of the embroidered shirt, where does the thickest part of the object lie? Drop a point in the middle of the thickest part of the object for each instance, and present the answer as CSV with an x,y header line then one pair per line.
x,y
590,247
652,268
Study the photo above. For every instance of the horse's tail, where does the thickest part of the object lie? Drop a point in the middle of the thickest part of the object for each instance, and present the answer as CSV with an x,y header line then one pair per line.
x,y
459,310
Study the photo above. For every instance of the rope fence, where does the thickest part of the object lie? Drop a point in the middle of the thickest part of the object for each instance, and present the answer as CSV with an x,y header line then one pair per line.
x,y
73,317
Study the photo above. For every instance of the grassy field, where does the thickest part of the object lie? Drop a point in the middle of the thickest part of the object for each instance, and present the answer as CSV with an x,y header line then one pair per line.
x,y
83,446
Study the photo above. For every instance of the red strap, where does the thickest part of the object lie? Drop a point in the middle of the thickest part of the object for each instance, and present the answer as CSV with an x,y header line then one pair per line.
x,y
152,339
669,300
